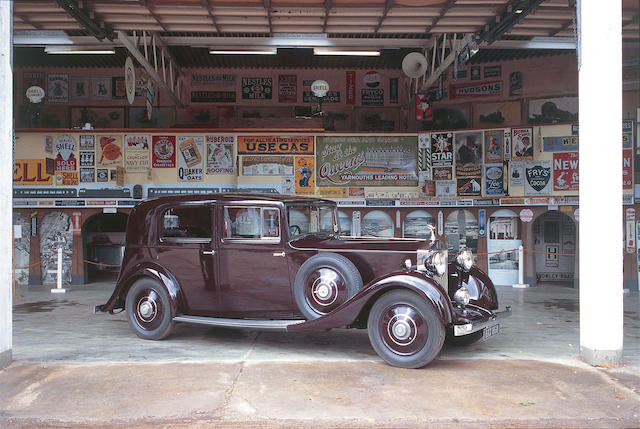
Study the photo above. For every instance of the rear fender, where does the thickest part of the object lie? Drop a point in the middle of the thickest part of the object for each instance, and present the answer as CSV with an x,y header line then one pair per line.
x,y
357,308
151,270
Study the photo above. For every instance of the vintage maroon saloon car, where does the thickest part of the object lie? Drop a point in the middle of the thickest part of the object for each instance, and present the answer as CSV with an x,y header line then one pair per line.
x,y
279,263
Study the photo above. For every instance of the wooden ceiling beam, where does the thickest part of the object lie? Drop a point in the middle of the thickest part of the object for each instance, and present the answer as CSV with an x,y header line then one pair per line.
x,y
443,12
27,21
205,4
327,10
267,7
153,14
387,7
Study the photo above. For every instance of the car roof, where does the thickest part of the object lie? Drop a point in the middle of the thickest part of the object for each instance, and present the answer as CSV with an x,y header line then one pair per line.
x,y
234,197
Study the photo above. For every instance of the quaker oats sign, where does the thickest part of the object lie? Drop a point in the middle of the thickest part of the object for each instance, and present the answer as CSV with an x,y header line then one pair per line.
x,y
190,159
538,177
163,154
442,150
366,161
136,153
220,154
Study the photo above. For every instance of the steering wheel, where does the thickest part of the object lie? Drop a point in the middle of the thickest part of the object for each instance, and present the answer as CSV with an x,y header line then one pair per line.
x,y
293,228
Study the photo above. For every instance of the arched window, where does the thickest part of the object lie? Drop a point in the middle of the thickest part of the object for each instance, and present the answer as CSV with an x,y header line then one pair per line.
x,y
416,224
377,224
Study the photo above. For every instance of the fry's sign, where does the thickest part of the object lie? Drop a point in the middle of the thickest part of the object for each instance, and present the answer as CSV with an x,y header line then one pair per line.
x,y
30,172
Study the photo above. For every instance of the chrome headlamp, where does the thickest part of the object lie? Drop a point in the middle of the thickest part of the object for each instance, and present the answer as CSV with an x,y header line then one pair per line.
x,y
462,296
433,261
465,259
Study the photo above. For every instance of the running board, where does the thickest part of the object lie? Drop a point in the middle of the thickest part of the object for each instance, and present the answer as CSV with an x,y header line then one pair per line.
x,y
263,325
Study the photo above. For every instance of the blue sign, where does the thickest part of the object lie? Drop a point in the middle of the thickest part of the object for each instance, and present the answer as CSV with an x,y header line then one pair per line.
x,y
493,180
482,222
556,144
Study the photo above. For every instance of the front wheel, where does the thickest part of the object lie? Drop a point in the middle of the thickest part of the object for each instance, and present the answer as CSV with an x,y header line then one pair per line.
x,y
148,310
404,329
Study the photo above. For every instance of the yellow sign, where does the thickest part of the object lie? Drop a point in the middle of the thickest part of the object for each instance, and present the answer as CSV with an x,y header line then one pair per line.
x,y
272,145
333,192
305,182
30,172
120,176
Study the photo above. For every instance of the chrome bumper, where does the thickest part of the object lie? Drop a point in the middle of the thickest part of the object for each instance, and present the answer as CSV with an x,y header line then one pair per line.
x,y
470,328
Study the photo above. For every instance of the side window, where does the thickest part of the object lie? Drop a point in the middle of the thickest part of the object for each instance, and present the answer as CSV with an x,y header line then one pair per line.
x,y
187,223
270,223
253,223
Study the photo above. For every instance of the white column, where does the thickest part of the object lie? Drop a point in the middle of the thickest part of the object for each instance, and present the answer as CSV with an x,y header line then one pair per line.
x,y
6,180
601,215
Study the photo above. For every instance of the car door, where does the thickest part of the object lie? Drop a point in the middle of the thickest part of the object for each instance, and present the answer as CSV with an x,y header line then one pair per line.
x,y
186,250
254,279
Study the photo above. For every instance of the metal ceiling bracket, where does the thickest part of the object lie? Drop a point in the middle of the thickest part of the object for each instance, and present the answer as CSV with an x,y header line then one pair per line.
x,y
455,46
93,28
169,80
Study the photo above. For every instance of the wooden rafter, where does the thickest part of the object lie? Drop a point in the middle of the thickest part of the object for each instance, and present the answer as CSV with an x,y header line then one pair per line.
x,y
267,7
327,9
387,8
443,12
205,4
153,14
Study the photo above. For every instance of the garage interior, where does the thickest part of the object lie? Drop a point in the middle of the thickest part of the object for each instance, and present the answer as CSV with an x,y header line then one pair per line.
x,y
169,39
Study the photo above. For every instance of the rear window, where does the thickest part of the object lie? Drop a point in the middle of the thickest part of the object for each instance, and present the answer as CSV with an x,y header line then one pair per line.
x,y
187,223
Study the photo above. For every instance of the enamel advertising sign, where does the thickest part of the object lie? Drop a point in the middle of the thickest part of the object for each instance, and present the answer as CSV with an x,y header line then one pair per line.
x,y
275,145
537,178
163,154
442,150
366,161
565,171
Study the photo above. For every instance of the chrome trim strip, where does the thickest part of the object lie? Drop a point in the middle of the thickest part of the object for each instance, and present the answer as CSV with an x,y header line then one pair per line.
x,y
351,250
264,325
189,240
470,328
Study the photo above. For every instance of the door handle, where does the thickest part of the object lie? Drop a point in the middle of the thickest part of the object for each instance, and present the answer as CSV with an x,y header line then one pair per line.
x,y
209,252
282,254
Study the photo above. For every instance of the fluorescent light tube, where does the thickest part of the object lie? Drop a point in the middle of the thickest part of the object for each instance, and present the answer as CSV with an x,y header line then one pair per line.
x,y
58,51
223,51
354,52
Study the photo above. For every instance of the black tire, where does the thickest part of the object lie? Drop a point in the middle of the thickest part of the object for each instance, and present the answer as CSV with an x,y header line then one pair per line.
x,y
464,340
324,282
149,310
404,329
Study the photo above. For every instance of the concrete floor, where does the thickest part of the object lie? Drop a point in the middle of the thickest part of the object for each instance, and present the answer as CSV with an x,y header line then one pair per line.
x,y
75,368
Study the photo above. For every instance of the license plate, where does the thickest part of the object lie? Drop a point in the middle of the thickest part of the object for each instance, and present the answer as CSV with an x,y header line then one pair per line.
x,y
490,331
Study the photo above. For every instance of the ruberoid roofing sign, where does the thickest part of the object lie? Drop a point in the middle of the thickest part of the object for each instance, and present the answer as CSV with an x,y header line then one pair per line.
x,y
476,89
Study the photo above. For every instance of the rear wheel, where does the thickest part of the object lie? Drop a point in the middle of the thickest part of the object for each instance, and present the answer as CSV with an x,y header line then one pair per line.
x,y
404,329
148,310
324,282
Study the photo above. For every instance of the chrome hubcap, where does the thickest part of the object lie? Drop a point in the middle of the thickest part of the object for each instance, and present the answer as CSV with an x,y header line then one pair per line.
x,y
324,291
147,309
401,330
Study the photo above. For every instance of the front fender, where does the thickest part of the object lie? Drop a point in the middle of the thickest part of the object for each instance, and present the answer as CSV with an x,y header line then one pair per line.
x,y
151,270
351,310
